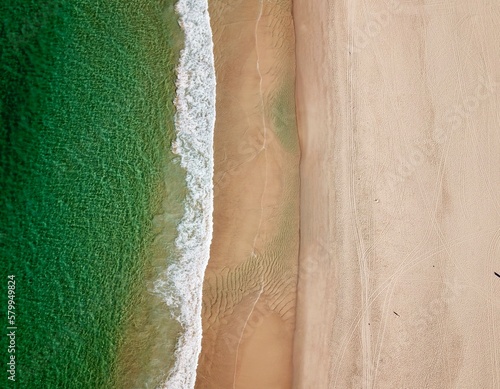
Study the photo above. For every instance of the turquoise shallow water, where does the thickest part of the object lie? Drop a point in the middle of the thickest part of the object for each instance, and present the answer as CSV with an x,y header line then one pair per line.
x,y
86,93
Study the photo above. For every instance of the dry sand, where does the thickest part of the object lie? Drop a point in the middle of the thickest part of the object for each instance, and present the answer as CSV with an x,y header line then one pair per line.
x,y
250,283
400,194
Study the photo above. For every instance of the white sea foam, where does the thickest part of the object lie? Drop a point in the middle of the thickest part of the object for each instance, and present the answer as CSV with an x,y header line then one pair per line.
x,y
181,285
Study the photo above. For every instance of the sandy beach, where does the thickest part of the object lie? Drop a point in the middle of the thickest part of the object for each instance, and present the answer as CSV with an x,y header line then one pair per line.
x,y
250,283
399,189
397,106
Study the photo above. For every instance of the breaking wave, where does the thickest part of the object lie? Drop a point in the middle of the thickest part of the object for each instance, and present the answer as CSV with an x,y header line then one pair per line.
x,y
181,285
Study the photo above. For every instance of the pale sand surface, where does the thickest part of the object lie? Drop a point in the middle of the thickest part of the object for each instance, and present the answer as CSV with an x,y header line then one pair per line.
x,y
400,194
250,284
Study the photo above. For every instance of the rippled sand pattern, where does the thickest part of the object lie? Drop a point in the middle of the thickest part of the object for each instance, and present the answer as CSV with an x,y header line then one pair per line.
x,y
250,284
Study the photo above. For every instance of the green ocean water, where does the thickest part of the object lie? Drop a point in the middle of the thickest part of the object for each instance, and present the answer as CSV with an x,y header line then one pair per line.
x,y
86,103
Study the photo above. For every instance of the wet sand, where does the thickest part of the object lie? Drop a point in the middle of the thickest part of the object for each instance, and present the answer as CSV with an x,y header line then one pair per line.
x,y
250,283
397,106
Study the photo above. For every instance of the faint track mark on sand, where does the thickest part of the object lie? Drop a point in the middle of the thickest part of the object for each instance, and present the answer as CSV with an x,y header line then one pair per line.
x,y
264,125
242,332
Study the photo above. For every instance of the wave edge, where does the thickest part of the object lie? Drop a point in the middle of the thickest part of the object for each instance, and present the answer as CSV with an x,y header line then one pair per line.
x,y
181,285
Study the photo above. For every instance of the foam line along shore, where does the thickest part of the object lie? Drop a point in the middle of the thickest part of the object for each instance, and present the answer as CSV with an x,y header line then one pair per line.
x,y
181,284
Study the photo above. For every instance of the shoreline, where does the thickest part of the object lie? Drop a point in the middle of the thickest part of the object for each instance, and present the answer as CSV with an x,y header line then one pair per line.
x,y
249,285
180,285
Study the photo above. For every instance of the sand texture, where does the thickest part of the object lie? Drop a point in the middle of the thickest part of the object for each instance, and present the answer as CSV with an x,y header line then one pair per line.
x,y
397,201
250,284
397,106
